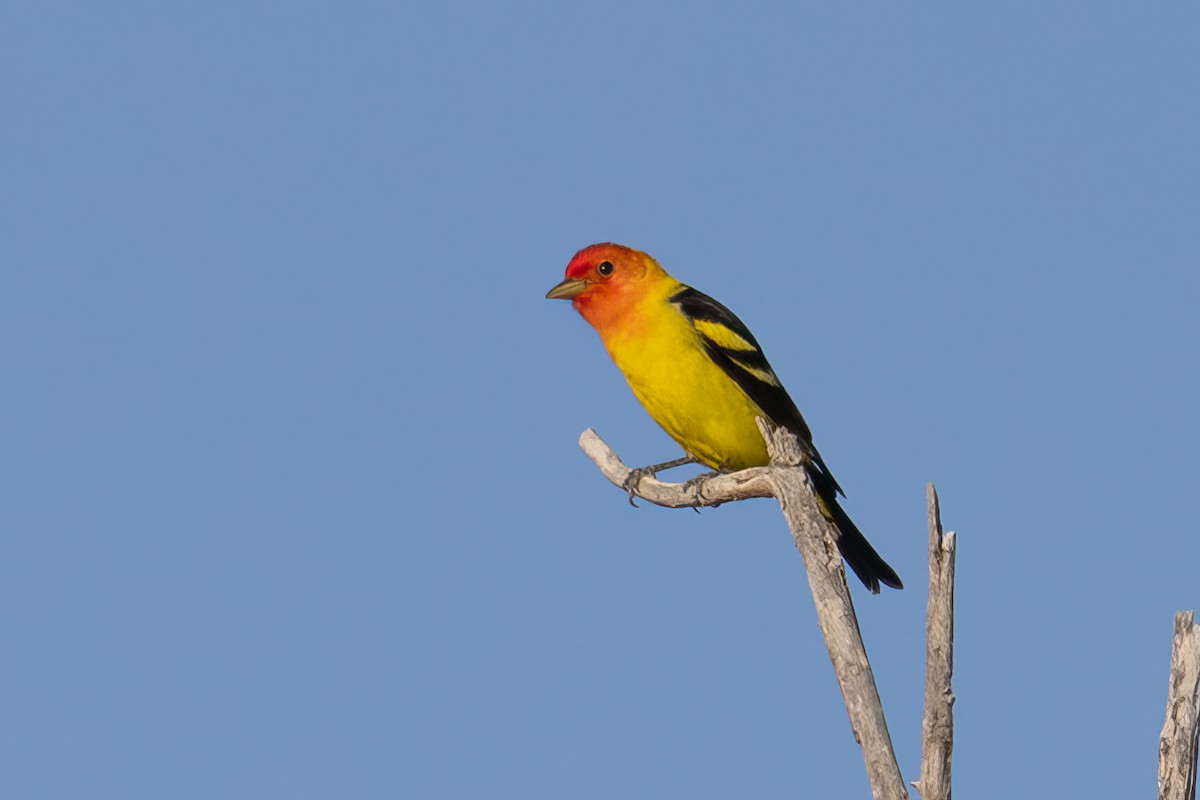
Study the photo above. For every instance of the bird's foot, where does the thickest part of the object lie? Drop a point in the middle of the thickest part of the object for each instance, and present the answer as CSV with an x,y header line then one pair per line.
x,y
635,476
630,484
697,483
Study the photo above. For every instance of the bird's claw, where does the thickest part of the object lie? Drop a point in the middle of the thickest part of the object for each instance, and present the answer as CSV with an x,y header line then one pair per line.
x,y
697,483
631,482
635,476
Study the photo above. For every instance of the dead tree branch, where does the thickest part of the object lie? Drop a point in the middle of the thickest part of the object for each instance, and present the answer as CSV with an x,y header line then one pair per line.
x,y
1177,745
817,541
709,492
937,725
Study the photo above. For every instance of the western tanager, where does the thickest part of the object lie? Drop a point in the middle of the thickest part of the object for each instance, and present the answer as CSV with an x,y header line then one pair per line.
x,y
701,375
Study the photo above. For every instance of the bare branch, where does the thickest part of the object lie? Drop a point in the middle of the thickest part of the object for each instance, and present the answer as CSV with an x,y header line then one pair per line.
x,y
1178,742
937,725
816,539
707,492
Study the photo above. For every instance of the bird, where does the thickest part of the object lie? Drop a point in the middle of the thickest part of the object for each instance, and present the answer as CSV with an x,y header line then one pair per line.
x,y
703,377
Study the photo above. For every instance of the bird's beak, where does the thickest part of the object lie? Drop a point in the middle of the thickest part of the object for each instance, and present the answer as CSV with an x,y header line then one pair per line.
x,y
567,289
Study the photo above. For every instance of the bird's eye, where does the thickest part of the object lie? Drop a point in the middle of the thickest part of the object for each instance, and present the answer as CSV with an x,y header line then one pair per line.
x,y
605,268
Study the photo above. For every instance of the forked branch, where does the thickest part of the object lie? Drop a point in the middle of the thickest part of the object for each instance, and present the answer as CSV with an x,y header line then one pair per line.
x,y
817,541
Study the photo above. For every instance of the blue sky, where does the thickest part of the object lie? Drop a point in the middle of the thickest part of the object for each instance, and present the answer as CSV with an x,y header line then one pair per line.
x,y
292,505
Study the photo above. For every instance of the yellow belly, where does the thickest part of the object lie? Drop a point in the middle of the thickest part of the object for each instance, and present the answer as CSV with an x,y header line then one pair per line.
x,y
694,401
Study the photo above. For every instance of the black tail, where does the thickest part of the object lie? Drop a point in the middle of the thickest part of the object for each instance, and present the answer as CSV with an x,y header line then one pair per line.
x,y
868,565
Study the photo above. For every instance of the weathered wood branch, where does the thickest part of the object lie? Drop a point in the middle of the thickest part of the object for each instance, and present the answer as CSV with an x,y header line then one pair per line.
x,y
1177,745
937,725
816,540
712,491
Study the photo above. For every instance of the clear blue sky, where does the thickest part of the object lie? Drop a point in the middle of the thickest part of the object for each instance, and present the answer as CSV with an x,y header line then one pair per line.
x,y
291,502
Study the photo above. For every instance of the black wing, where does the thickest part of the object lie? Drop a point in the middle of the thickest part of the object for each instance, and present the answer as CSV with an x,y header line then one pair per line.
x,y
734,349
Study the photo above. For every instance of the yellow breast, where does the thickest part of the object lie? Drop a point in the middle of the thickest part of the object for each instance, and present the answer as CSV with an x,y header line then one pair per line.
x,y
695,402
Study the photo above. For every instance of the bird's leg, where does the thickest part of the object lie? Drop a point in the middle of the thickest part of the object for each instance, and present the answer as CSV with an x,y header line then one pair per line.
x,y
635,475
696,483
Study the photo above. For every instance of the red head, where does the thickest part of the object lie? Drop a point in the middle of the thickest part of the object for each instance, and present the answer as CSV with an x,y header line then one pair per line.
x,y
606,281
